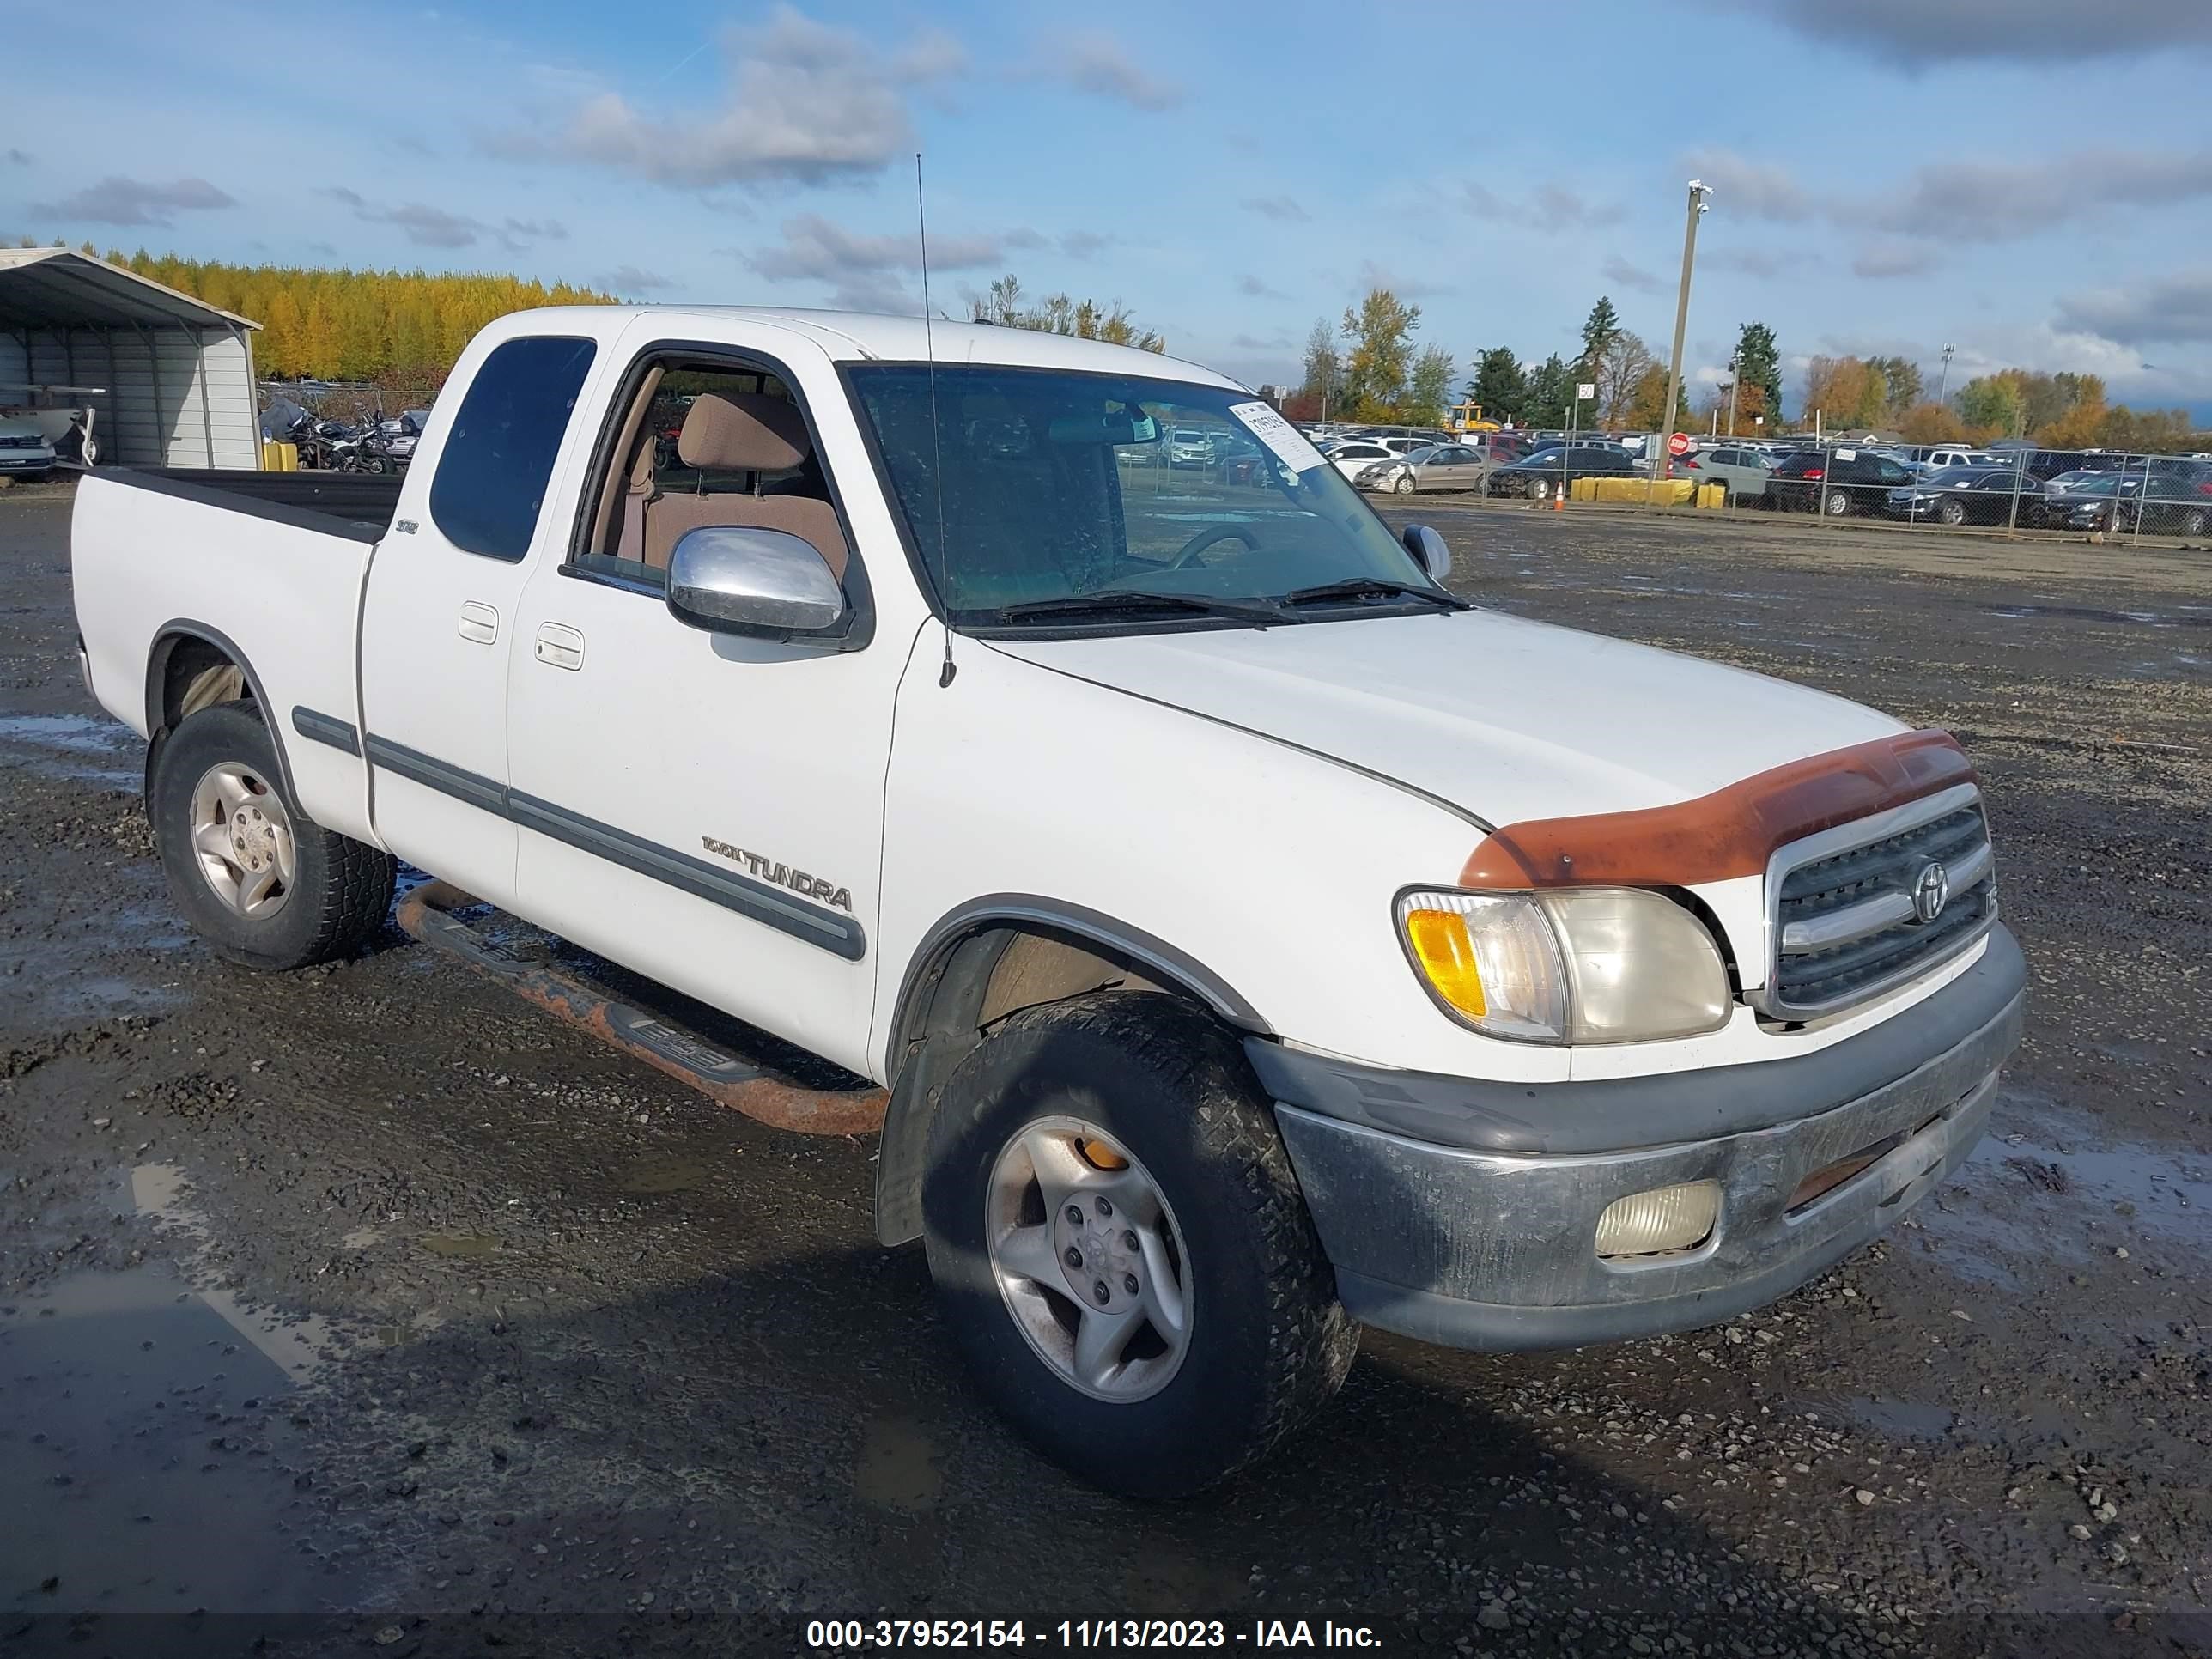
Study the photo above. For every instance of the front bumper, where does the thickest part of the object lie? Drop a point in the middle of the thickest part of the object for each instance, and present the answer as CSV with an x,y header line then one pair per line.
x,y
1479,1232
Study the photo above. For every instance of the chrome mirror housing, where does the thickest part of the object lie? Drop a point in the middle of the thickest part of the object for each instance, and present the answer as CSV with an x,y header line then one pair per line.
x,y
1428,551
768,584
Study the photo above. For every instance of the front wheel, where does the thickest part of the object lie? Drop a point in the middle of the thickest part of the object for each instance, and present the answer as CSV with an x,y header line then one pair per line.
x,y
1540,489
1405,486
264,884
1120,1247
1952,512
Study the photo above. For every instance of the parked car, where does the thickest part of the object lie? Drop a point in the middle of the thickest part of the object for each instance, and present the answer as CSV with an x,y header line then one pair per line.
x,y
1549,473
1836,482
1189,448
1352,456
1656,988
1964,495
26,450
2174,500
1744,469
1434,467
1941,457
2080,500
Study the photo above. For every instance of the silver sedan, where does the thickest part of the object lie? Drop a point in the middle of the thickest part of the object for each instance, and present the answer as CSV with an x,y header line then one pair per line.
x,y
1433,466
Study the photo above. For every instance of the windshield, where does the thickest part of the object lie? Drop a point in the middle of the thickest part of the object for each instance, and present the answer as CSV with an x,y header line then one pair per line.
x,y
1056,486
2088,483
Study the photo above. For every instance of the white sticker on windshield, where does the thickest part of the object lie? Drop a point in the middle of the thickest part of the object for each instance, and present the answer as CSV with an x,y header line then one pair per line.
x,y
1847,454
1289,443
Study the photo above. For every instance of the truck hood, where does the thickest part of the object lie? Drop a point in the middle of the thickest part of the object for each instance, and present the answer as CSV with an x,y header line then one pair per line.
x,y
1503,718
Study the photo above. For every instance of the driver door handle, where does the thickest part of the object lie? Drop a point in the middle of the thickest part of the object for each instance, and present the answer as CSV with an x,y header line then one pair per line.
x,y
560,645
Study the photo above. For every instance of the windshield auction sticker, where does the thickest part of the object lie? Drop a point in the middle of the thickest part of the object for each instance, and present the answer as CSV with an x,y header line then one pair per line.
x,y
1289,443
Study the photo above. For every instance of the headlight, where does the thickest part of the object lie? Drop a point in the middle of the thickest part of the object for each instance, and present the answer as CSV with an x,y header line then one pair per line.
x,y
1595,964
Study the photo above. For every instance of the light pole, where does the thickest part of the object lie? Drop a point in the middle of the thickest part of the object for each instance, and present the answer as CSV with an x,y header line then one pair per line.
x,y
1944,375
1735,379
1701,198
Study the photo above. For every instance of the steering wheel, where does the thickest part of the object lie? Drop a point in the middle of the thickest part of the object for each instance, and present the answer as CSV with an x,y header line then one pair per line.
x,y
1187,556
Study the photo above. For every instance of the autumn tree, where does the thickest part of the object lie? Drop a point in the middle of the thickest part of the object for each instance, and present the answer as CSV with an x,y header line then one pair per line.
x,y
1993,406
1647,401
1430,391
1622,361
1757,365
1500,385
1599,330
1845,391
1930,424
1551,390
1380,362
1324,371
402,328
1057,313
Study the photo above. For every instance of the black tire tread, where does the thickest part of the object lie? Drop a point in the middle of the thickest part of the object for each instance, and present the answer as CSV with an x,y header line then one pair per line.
x,y
1311,1341
350,901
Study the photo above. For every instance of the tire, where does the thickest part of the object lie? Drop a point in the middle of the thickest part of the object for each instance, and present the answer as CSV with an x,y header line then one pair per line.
x,y
1265,1342
1539,489
1405,486
1836,503
2193,523
1952,512
339,888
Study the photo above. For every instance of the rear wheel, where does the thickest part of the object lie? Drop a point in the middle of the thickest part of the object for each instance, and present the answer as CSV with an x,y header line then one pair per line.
x,y
1835,503
264,884
1121,1249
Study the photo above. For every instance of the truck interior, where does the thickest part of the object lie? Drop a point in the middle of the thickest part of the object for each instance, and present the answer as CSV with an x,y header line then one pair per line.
x,y
701,445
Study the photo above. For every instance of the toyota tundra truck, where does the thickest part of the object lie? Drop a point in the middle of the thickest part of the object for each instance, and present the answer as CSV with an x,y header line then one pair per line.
x,y
1247,936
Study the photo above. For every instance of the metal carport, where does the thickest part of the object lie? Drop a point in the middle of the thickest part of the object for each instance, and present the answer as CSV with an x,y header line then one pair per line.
x,y
177,372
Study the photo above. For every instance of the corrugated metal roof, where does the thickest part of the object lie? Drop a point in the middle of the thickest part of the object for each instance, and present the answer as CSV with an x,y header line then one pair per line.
x,y
55,288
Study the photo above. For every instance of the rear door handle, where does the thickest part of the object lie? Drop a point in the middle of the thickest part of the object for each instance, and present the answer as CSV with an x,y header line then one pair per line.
x,y
560,645
479,622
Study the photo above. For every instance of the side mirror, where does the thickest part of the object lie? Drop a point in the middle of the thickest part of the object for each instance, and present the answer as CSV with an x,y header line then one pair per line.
x,y
767,584
1428,551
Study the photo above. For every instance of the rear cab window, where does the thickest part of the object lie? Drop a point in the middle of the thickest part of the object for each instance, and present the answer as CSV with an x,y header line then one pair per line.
x,y
498,457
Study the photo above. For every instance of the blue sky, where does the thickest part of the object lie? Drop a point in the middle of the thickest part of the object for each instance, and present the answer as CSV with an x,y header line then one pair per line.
x,y
2027,180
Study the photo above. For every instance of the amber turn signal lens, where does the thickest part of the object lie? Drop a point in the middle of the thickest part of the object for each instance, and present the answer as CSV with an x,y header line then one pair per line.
x,y
1440,942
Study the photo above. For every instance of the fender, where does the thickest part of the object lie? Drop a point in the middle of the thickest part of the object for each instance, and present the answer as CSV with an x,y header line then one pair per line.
x,y
934,1021
166,639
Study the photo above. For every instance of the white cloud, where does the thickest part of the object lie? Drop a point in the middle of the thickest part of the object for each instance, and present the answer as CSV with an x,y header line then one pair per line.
x,y
1917,34
1618,271
1097,64
1287,209
807,104
1553,207
2175,309
1755,190
431,227
627,280
816,250
119,201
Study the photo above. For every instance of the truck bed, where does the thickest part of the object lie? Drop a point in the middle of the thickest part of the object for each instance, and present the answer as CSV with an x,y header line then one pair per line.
x,y
358,506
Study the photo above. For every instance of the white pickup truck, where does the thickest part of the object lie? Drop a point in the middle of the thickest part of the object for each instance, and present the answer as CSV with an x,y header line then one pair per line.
x,y
1252,938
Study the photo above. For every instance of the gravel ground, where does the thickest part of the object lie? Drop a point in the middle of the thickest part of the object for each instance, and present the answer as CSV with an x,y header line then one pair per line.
x,y
367,1309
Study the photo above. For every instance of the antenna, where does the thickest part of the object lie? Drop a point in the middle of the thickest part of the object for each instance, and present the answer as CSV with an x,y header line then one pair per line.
x,y
936,439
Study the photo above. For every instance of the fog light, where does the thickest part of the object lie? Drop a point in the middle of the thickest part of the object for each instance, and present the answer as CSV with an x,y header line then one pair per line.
x,y
1664,1219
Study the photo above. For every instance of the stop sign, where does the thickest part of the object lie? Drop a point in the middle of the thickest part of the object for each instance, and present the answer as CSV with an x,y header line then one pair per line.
x,y
1678,443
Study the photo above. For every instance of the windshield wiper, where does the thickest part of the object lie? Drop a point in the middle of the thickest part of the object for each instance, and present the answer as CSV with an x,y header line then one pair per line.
x,y
1375,587
1134,602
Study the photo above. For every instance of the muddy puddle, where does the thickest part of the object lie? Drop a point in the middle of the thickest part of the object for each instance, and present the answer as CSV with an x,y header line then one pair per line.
x,y
83,748
2047,1186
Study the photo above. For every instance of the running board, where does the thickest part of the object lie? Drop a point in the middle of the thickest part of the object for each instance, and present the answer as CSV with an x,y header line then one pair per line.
x,y
425,914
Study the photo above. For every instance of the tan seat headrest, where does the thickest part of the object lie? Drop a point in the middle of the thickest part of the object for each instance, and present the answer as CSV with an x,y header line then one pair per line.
x,y
743,432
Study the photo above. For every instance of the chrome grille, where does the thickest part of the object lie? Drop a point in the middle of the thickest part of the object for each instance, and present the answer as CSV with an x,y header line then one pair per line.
x,y
1842,911
15,442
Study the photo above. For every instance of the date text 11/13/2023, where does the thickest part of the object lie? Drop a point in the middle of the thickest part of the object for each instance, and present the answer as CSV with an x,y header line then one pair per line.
x,y
833,1635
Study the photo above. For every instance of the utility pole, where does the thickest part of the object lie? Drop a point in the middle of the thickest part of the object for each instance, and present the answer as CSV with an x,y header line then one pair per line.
x,y
1701,196
1943,377
1735,379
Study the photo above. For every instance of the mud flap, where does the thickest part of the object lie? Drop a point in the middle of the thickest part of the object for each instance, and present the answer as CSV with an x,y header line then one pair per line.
x,y
425,914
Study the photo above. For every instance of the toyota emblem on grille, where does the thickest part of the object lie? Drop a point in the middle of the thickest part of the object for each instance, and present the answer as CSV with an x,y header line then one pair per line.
x,y
1932,891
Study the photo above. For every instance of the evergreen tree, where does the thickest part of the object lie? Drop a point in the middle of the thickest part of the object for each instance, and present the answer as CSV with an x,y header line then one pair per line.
x,y
1500,384
1758,363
